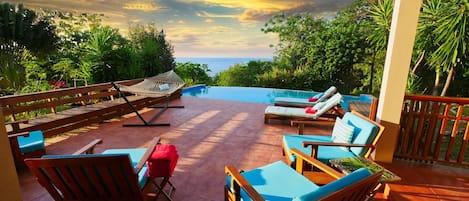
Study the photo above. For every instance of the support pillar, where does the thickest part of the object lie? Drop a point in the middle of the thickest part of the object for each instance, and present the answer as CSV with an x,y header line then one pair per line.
x,y
10,186
396,70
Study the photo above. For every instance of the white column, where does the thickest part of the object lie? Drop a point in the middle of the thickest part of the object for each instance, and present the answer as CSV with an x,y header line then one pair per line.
x,y
396,68
10,186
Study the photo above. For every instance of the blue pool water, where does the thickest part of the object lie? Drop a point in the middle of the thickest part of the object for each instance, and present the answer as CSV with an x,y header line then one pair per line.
x,y
252,94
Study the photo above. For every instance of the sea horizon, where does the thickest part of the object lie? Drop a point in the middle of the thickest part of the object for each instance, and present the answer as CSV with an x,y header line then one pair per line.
x,y
219,64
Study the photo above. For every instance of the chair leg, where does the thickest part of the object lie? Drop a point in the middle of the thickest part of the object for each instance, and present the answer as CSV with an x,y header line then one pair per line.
x,y
160,188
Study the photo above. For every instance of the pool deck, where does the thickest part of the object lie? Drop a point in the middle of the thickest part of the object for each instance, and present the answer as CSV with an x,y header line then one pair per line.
x,y
210,134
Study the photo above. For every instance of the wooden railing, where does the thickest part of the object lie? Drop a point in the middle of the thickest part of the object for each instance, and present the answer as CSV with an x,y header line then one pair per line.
x,y
434,129
58,111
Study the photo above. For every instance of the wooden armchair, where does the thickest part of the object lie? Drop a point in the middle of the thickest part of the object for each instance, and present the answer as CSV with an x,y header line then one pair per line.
x,y
27,145
278,181
117,176
364,137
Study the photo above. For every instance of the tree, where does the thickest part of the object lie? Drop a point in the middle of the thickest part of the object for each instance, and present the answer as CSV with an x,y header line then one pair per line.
x,y
451,39
193,73
154,53
22,32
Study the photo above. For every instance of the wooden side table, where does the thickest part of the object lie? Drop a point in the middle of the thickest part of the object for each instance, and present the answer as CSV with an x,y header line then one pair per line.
x,y
348,165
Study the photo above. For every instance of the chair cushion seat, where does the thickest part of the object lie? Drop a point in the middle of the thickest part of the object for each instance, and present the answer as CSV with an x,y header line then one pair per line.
x,y
289,112
276,181
325,153
34,142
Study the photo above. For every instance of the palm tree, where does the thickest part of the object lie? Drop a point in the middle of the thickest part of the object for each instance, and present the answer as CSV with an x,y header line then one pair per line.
x,y
449,22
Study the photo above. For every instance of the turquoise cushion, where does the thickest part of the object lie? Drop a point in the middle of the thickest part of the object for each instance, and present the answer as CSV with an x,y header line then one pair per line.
x,y
291,141
325,153
34,142
364,132
135,156
276,181
336,185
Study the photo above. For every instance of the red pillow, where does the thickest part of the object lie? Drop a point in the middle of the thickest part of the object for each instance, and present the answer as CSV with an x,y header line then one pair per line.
x,y
313,99
163,160
310,110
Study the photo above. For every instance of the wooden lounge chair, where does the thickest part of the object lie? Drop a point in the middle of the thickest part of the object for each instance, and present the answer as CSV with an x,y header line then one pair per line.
x,y
117,175
364,137
304,102
27,145
278,181
327,110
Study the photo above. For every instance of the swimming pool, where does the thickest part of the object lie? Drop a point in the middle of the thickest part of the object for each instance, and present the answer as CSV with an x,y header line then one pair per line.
x,y
253,94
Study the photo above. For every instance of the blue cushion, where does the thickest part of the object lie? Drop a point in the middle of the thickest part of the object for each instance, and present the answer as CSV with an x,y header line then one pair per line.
x,y
34,142
364,132
135,156
276,181
336,185
325,153
296,141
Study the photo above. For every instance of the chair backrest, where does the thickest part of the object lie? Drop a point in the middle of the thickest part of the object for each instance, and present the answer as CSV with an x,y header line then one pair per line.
x,y
87,177
328,93
354,186
330,103
365,132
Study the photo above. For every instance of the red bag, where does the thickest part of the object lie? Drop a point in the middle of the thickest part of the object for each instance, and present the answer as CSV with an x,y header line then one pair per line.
x,y
162,161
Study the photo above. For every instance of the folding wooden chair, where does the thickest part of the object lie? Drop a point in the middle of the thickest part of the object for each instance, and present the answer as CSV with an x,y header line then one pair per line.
x,y
161,164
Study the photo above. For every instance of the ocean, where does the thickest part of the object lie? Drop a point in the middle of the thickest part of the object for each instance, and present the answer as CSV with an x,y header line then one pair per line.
x,y
217,65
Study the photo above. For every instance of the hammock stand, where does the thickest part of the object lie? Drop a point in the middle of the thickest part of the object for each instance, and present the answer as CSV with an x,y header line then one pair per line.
x,y
151,87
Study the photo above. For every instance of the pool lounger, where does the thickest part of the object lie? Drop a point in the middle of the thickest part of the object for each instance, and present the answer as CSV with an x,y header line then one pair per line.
x,y
328,109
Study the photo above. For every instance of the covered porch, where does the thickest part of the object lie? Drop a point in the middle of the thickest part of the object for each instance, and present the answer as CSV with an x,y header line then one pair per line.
x,y
210,134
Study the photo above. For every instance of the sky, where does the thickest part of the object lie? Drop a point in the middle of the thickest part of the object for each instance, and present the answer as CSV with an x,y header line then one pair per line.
x,y
199,28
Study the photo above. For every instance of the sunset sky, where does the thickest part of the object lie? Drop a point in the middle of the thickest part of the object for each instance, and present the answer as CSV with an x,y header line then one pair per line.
x,y
199,28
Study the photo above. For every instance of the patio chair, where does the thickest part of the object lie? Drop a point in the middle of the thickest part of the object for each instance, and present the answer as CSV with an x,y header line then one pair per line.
x,y
116,174
328,110
279,182
305,102
353,136
27,145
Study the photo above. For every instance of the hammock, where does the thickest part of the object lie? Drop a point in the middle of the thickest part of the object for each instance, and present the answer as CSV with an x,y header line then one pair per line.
x,y
162,85
157,86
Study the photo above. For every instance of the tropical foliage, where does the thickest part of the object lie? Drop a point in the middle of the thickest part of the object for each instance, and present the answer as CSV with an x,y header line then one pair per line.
x,y
51,49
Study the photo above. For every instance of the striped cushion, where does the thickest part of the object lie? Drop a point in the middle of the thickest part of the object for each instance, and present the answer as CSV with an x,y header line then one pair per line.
x,y
342,132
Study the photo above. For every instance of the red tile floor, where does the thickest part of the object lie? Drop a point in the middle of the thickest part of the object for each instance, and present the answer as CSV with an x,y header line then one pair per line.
x,y
210,134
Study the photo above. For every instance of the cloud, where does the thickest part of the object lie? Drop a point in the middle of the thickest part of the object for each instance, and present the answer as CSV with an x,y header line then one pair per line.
x,y
142,6
209,20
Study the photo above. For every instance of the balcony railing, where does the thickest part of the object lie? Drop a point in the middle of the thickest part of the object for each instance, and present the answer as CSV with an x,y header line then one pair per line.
x,y
434,129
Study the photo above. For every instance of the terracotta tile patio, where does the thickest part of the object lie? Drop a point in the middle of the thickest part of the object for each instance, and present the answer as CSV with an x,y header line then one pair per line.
x,y
212,133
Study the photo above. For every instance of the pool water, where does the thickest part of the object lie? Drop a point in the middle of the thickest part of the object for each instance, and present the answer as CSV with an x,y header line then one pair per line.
x,y
252,94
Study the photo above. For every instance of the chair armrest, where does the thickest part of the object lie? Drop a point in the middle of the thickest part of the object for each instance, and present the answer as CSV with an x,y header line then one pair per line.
x,y
238,182
315,144
146,155
301,158
89,148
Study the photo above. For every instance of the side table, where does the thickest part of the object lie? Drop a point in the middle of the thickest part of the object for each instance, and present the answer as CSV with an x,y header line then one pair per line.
x,y
348,165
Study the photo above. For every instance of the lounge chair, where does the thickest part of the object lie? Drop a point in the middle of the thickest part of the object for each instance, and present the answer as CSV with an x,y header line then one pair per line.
x,y
303,102
357,138
118,174
279,182
324,110
27,145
